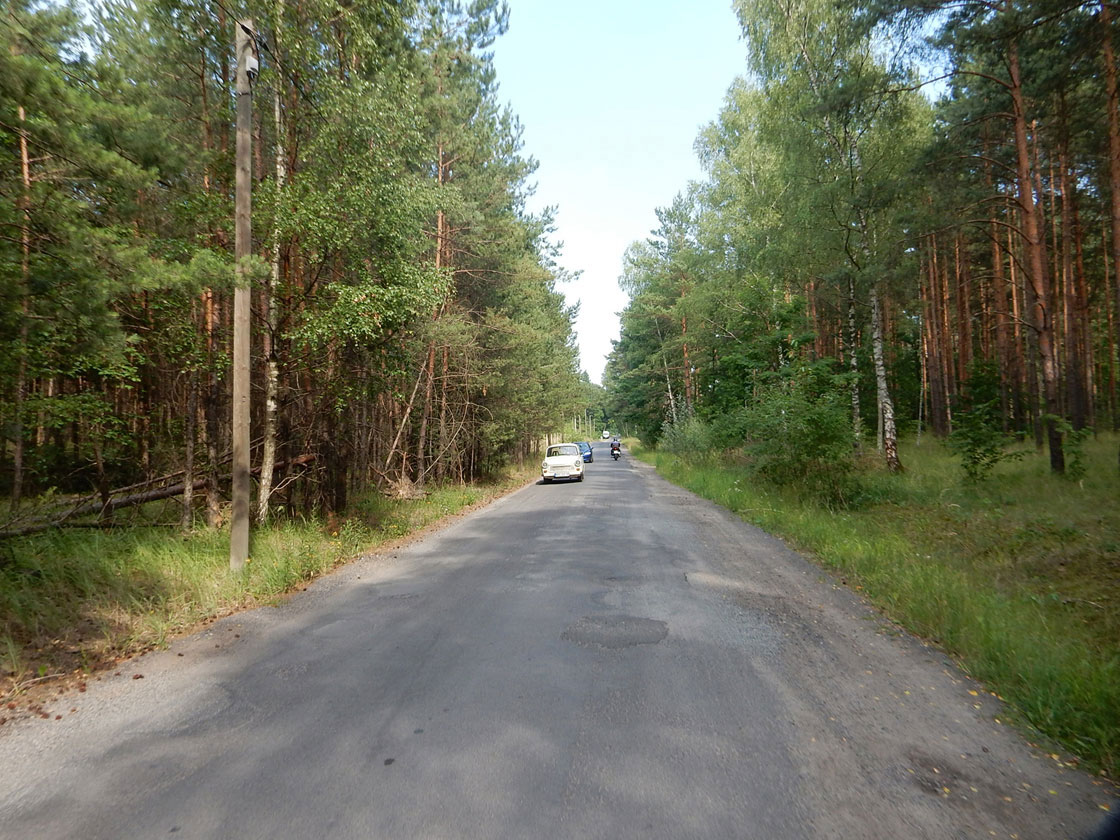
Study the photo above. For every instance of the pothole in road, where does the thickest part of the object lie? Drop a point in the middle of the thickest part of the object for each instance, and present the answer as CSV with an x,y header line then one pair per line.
x,y
615,631
938,776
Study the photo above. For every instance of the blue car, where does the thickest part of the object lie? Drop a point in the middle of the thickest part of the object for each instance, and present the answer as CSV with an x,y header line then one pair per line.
x,y
586,451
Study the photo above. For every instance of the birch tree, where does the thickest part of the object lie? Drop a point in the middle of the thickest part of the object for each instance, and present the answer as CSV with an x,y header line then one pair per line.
x,y
848,139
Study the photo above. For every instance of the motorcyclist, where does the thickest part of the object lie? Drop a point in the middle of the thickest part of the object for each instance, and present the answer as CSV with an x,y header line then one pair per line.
x,y
616,447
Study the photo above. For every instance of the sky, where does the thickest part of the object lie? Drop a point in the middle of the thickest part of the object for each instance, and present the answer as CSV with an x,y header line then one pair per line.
x,y
611,95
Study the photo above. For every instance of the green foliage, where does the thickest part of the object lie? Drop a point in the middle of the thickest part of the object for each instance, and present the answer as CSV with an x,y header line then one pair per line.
x,y
978,436
799,435
1074,446
688,438
805,212
378,135
979,440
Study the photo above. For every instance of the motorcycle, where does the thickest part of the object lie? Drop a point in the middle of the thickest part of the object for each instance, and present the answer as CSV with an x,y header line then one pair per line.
x,y
616,453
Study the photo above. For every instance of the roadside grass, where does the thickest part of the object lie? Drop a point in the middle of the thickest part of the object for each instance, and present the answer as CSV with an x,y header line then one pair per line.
x,y
1018,577
75,601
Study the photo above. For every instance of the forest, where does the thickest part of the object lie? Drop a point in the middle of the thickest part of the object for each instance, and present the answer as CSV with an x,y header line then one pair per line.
x,y
406,318
885,327
910,225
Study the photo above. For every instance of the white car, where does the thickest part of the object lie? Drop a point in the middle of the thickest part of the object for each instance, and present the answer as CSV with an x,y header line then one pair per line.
x,y
562,460
606,435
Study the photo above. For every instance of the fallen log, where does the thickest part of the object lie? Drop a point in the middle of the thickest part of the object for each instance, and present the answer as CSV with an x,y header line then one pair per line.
x,y
91,508
298,461
91,505
62,509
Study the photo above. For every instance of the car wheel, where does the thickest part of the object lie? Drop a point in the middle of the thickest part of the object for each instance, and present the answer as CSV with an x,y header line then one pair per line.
x,y
547,480
580,477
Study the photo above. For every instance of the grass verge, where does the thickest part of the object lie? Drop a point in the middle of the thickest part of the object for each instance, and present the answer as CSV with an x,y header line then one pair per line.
x,y
1018,578
75,601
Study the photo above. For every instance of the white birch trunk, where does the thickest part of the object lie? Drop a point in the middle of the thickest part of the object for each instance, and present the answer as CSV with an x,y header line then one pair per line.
x,y
886,406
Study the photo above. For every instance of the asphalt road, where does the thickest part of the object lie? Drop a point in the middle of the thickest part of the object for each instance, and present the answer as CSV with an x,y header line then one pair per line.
x,y
608,659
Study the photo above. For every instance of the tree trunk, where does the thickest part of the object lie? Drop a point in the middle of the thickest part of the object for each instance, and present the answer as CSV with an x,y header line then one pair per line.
x,y
1000,314
400,430
425,416
940,356
213,401
25,312
268,445
886,406
689,393
853,365
1071,311
1023,412
1113,108
923,372
269,320
1083,316
964,309
444,443
1113,407
186,520
103,489
1038,278
668,380
945,339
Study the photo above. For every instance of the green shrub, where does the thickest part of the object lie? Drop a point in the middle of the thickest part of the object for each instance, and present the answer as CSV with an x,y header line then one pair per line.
x,y
799,434
979,440
1075,450
728,430
687,438
978,437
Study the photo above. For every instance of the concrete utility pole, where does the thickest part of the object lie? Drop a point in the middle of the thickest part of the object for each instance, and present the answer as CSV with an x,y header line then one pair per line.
x,y
246,72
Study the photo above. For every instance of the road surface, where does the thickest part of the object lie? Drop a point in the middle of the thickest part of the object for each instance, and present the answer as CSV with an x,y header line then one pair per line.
x,y
608,659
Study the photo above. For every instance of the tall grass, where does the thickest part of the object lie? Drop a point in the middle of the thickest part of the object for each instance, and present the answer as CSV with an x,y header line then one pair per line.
x,y
1017,577
72,601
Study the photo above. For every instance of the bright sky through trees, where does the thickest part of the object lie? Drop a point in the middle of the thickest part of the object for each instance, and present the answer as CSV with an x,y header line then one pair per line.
x,y
612,95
